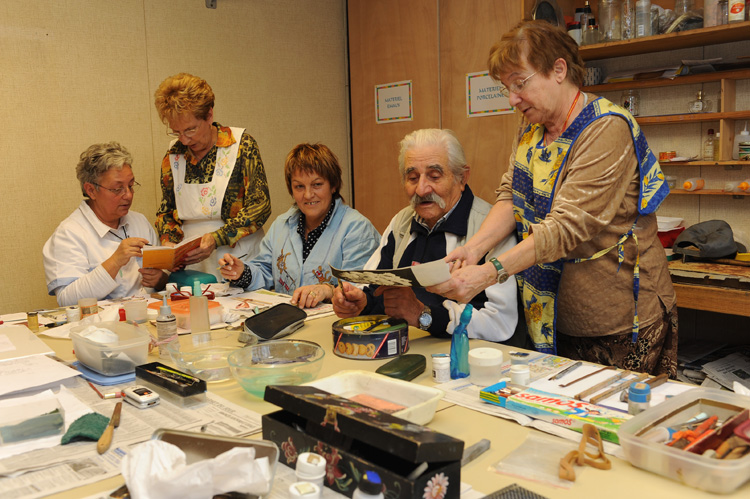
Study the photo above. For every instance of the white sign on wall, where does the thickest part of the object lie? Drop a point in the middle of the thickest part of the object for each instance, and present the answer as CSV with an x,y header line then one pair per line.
x,y
393,102
485,96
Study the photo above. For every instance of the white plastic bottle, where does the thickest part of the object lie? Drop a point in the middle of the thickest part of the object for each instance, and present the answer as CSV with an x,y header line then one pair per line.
x,y
709,146
743,136
642,18
166,327
736,11
693,184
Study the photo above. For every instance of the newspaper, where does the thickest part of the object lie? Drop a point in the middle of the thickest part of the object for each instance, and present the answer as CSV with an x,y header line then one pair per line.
x,y
47,471
727,370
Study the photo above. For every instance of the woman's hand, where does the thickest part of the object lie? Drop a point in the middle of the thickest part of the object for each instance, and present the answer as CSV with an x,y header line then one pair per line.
x,y
461,257
348,301
466,282
127,249
208,245
154,278
231,267
311,296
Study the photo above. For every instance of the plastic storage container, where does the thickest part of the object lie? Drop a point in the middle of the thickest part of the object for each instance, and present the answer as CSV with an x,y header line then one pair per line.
x,y
112,358
181,311
695,470
419,402
484,366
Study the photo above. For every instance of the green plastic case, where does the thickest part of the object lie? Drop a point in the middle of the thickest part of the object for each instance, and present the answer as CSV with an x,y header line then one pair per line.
x,y
406,367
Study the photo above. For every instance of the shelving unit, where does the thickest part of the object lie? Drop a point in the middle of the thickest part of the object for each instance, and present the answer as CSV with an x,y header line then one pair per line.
x,y
709,192
727,114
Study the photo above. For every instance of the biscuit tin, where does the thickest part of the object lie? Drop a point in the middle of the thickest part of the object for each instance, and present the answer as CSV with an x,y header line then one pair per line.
x,y
370,337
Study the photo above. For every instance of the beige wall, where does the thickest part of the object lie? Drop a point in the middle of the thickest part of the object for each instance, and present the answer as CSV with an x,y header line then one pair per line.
x,y
76,72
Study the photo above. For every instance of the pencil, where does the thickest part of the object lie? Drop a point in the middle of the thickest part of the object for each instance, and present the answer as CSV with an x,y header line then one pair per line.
x,y
237,257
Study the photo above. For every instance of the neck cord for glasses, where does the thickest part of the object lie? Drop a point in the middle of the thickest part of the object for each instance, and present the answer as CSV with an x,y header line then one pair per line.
x,y
118,236
570,111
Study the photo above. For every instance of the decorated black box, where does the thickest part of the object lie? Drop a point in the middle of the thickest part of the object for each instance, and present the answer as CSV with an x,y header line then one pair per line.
x,y
413,461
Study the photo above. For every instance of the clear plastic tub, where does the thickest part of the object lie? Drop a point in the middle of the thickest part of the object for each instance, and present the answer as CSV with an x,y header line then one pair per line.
x,y
115,358
695,470
419,402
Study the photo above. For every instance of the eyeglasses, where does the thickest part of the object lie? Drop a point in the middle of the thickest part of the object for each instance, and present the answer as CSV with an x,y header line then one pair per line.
x,y
187,133
517,86
121,190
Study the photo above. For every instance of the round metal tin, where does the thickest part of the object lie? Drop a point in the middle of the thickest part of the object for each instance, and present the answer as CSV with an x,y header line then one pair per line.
x,y
369,337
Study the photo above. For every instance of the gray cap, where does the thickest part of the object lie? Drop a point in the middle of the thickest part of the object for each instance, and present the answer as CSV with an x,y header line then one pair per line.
x,y
711,239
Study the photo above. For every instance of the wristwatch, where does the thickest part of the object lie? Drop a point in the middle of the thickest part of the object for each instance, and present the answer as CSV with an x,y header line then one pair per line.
x,y
425,319
502,274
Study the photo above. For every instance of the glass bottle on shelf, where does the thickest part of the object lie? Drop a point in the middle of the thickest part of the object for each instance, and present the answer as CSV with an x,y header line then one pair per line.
x,y
590,34
709,146
700,104
717,146
610,26
631,101
642,18
627,20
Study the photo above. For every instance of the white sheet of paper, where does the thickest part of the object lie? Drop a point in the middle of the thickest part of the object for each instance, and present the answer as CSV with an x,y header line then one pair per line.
x,y
30,372
18,341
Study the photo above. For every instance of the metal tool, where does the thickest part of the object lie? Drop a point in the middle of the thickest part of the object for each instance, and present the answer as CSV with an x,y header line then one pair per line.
x,y
566,371
601,385
622,386
586,376
653,383
106,439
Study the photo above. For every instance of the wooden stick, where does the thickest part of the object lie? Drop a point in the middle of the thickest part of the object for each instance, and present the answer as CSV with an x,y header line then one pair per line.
x,y
586,376
601,385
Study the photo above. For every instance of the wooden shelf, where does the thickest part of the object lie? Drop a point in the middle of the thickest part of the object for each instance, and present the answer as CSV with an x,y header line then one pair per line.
x,y
709,192
705,163
671,119
738,74
682,39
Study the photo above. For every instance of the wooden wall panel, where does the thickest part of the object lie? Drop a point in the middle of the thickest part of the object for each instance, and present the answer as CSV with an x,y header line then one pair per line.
x,y
468,29
389,41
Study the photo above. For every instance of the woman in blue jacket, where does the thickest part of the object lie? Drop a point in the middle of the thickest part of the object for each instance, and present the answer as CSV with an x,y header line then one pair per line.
x,y
318,231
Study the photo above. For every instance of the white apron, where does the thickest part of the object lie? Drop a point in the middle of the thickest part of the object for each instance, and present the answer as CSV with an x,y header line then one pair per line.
x,y
199,205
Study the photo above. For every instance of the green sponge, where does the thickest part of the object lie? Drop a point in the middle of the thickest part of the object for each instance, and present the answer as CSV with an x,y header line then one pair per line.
x,y
87,427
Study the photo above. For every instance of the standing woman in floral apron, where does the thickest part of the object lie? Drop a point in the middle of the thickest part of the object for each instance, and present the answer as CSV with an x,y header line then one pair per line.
x,y
581,193
212,178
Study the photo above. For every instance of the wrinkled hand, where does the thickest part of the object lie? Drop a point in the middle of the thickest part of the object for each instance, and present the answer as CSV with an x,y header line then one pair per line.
x,y
401,303
466,282
461,257
231,267
348,302
310,296
208,245
154,278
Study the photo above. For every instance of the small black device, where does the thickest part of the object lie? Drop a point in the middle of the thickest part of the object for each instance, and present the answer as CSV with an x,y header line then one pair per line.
x,y
274,323
406,367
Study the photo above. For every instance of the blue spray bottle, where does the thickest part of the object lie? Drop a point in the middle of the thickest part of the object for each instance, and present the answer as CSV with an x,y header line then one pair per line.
x,y
460,345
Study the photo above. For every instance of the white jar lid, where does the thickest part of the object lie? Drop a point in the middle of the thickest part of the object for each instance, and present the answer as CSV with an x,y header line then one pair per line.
x,y
310,465
306,490
485,356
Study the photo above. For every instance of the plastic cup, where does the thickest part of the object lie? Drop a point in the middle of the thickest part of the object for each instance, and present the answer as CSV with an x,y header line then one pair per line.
x,y
135,310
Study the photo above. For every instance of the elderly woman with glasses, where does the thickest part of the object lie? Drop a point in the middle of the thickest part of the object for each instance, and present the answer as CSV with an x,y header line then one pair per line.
x,y
317,232
212,177
93,253
580,192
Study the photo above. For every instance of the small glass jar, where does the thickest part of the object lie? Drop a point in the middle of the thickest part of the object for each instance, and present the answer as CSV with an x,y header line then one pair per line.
x,y
32,320
631,100
700,104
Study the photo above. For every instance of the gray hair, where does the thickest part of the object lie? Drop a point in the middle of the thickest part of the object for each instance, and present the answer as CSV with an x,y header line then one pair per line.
x,y
98,159
435,137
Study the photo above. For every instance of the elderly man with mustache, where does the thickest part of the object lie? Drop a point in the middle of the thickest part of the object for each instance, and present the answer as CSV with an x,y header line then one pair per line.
x,y
443,214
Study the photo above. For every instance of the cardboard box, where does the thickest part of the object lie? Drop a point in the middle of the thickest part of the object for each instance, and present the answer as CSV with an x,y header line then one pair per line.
x,y
355,438
557,409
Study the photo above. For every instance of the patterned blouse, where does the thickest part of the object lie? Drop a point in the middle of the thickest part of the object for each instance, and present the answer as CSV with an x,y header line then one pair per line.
x,y
246,205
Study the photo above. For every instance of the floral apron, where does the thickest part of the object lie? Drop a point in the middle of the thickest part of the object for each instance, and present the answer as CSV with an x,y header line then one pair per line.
x,y
199,205
535,175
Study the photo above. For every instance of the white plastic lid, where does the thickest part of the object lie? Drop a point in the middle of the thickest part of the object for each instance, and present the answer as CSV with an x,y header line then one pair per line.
x,y
485,357
307,490
310,465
